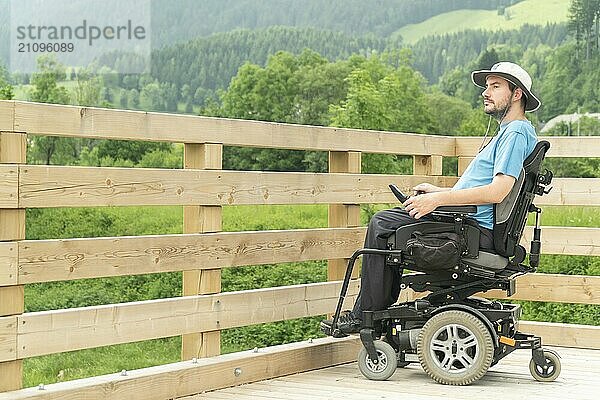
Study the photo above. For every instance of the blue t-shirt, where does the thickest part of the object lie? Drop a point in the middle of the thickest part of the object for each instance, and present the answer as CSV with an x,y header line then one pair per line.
x,y
503,155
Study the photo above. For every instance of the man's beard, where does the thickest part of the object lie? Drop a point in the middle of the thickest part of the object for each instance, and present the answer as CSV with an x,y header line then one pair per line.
x,y
499,112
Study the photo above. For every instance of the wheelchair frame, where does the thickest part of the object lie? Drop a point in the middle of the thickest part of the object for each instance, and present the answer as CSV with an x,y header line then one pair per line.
x,y
454,336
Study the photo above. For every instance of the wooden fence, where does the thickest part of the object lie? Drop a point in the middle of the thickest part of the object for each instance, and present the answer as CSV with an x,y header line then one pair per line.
x,y
203,188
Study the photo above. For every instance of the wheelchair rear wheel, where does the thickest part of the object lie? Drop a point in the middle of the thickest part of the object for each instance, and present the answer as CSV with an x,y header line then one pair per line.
x,y
455,348
385,365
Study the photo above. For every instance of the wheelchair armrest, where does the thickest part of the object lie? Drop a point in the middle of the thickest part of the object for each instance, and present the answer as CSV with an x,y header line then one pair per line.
x,y
456,209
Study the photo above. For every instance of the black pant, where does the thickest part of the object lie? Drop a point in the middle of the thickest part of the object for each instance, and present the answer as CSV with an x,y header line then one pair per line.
x,y
380,285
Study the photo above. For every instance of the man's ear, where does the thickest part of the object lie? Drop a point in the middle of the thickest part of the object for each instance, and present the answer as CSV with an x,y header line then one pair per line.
x,y
517,94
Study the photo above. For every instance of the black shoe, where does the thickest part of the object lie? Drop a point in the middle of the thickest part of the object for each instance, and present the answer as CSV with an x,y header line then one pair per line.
x,y
349,323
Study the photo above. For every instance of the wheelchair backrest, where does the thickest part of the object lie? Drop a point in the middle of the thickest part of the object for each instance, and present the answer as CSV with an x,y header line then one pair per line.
x,y
510,216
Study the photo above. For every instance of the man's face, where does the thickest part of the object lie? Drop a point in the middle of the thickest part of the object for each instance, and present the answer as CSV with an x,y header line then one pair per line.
x,y
496,97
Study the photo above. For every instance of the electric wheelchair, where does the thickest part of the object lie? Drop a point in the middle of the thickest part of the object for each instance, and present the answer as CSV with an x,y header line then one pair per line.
x,y
454,336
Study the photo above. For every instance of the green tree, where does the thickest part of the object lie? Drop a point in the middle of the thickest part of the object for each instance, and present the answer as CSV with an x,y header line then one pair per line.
x,y
291,89
384,97
584,24
45,82
88,90
6,89
44,149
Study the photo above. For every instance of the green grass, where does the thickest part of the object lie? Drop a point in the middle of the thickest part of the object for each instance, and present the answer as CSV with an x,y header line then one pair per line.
x,y
86,222
534,12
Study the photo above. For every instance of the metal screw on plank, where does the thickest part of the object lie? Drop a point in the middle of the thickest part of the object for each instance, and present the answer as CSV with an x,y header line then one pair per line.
x,y
237,371
194,360
41,387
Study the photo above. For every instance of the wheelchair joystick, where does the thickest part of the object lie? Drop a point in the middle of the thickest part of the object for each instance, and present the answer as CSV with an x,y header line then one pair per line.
x,y
398,193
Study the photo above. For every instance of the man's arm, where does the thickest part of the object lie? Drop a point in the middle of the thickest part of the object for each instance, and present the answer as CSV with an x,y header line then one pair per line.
x,y
495,192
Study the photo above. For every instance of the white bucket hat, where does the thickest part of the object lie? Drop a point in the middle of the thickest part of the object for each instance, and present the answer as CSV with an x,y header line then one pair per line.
x,y
512,73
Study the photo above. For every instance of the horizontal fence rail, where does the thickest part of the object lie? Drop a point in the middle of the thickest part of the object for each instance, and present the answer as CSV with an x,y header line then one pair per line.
x,y
90,187
55,260
72,121
58,331
186,378
560,146
42,187
35,261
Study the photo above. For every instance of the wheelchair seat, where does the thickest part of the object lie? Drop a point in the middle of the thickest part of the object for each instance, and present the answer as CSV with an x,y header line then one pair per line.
x,y
487,260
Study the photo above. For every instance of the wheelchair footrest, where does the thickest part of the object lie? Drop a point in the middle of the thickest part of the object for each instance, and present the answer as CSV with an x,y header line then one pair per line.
x,y
327,329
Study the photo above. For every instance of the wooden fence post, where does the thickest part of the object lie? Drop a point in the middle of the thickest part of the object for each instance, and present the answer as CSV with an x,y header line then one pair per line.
x,y
343,215
202,219
463,163
13,147
427,165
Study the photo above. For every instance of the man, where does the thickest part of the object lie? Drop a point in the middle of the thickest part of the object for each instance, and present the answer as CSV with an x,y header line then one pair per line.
x,y
488,180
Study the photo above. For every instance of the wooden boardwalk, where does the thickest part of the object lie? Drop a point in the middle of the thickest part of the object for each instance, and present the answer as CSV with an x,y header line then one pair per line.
x,y
509,379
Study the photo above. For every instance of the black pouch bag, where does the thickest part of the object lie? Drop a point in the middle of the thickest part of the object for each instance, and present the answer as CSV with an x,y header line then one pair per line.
x,y
435,251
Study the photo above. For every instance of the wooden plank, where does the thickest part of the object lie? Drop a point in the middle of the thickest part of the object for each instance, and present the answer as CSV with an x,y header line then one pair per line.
x,y
342,215
11,373
11,300
9,186
560,146
554,288
7,115
69,259
566,240
53,186
186,378
427,165
43,186
571,335
73,121
8,263
8,339
13,147
510,376
12,227
57,331
572,192
463,163
199,219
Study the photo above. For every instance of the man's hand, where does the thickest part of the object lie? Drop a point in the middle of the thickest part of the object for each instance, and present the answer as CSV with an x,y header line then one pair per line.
x,y
419,206
427,188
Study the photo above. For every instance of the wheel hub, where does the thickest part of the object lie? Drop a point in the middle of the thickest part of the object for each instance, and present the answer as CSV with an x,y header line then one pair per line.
x,y
454,348
379,364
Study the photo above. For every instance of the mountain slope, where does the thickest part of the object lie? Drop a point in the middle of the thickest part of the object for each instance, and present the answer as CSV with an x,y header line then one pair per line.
x,y
533,12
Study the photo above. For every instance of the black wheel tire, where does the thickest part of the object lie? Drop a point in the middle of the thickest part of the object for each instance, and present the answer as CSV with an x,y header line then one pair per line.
x,y
386,365
455,348
551,372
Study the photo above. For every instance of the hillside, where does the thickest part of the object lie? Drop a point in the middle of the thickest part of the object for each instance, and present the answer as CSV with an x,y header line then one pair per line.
x,y
533,12
177,21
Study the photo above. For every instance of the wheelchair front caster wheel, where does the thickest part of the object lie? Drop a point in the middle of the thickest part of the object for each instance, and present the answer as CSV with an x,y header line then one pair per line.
x,y
455,348
384,367
549,372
